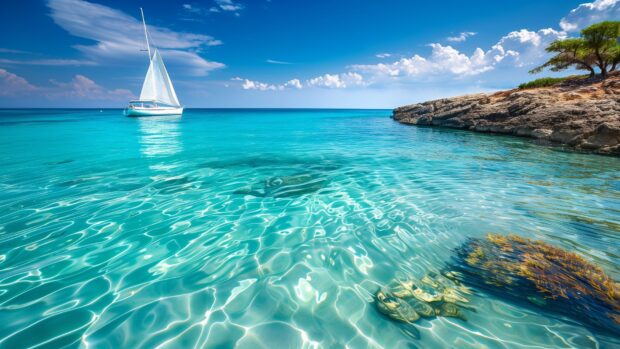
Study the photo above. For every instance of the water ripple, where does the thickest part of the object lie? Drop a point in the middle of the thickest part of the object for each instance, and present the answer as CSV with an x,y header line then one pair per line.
x,y
274,229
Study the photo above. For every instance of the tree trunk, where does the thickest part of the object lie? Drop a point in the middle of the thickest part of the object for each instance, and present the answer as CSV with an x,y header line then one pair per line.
x,y
587,67
592,72
603,70
602,64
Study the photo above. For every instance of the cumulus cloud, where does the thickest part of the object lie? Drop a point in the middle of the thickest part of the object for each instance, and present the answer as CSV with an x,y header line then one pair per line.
x,y
443,59
120,36
590,13
257,85
13,85
518,48
525,47
247,84
383,55
461,37
295,83
343,80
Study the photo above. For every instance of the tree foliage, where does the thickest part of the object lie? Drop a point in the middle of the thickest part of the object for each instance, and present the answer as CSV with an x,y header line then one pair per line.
x,y
597,48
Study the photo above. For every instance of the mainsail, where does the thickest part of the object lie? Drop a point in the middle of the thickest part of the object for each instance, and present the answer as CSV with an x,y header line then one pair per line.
x,y
157,85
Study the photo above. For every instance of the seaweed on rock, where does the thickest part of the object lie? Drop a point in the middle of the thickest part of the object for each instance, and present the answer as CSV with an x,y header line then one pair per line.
x,y
546,276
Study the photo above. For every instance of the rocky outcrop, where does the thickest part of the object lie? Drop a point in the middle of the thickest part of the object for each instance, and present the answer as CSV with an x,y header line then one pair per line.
x,y
581,114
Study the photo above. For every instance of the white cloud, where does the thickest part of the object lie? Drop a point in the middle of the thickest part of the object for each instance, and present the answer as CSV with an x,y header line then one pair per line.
x,y
383,55
444,60
82,87
273,61
518,49
339,81
219,6
8,50
198,65
12,85
120,36
590,13
343,80
461,37
525,47
78,88
50,62
226,5
257,85
190,8
295,83
261,86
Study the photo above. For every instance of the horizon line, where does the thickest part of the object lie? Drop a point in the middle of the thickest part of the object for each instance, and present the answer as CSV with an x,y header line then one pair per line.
x,y
194,108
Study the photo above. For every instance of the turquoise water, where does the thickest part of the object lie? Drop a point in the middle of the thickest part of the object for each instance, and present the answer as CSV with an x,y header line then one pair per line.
x,y
274,228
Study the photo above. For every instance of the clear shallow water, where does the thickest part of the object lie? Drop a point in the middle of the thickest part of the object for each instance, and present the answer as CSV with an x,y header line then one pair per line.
x,y
161,232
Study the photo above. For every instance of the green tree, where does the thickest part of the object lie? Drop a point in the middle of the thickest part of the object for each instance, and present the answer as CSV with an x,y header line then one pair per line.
x,y
598,47
602,40
569,53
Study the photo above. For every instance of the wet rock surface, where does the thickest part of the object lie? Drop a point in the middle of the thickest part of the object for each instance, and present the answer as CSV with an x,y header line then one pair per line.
x,y
582,115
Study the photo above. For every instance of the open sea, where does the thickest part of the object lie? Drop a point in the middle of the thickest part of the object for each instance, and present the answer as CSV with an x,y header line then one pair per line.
x,y
275,228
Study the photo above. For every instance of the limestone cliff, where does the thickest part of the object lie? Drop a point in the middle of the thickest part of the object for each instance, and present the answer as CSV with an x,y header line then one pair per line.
x,y
581,114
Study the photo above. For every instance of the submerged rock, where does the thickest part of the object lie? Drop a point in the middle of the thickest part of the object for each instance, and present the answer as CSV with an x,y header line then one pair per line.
x,y
433,295
451,295
542,275
582,114
422,308
286,186
396,308
450,310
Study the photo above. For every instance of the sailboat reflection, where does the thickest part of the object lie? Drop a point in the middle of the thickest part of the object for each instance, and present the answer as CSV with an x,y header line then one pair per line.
x,y
160,135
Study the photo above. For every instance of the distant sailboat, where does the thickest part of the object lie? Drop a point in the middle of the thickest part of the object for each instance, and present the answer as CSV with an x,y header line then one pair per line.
x,y
157,96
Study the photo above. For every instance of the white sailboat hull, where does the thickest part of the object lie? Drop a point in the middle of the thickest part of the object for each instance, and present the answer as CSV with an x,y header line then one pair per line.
x,y
136,111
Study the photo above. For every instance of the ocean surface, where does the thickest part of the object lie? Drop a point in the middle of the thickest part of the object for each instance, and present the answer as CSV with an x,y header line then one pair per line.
x,y
275,228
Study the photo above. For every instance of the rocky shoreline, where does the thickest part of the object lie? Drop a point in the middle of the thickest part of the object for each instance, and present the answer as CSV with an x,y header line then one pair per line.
x,y
580,114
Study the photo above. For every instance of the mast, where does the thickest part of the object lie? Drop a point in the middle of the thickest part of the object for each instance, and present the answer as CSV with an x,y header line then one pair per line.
x,y
146,35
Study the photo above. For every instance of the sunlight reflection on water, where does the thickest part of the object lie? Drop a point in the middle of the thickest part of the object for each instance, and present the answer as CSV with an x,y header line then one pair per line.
x,y
275,228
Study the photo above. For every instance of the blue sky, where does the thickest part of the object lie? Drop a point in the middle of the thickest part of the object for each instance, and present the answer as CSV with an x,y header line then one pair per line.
x,y
277,53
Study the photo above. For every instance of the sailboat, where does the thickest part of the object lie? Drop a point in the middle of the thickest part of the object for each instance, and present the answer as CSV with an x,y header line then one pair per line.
x,y
157,96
